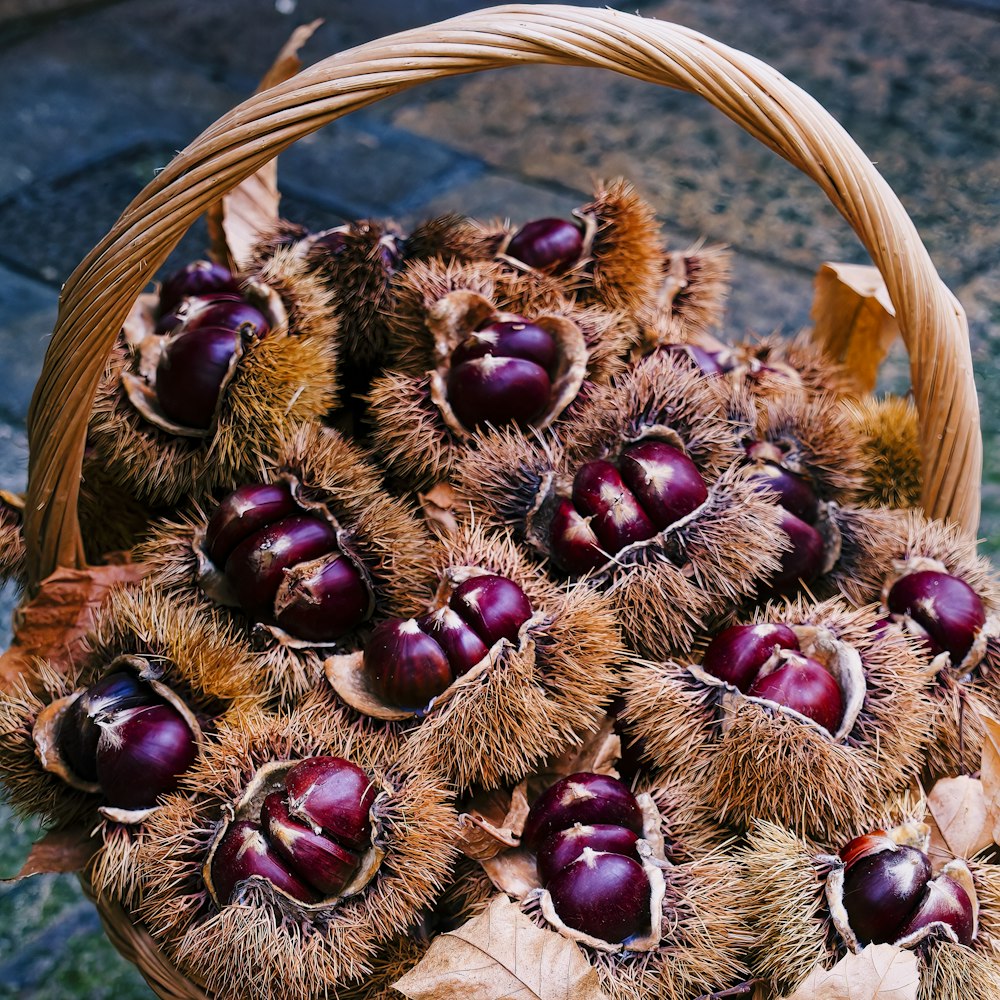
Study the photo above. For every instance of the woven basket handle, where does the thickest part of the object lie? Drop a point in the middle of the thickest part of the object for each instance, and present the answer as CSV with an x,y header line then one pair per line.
x,y
100,292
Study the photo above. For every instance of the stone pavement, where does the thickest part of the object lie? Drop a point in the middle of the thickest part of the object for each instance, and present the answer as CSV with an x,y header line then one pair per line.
x,y
95,100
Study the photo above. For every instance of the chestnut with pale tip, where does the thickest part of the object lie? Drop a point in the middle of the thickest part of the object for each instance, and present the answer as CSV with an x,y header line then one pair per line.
x,y
794,491
242,513
190,373
806,686
547,244
945,903
664,480
493,606
199,278
227,314
616,516
406,667
515,338
574,546
323,600
882,890
564,846
498,391
335,796
737,653
460,643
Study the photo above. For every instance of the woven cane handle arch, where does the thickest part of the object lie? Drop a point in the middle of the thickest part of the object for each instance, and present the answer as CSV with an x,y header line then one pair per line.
x,y
101,290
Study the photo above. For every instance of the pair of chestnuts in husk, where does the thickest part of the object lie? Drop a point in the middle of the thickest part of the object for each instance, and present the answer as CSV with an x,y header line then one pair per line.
x,y
284,565
121,735
411,661
205,320
310,836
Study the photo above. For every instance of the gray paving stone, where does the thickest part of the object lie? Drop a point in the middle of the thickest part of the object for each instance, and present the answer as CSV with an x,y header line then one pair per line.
x,y
27,314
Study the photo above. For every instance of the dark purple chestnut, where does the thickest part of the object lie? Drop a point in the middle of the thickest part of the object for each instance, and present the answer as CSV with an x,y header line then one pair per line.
x,y
547,245
244,512
325,600
801,563
190,373
243,853
794,492
509,339
584,798
882,890
79,730
460,643
142,753
405,666
664,480
319,861
256,567
574,546
617,517
946,902
737,653
604,895
805,685
201,277
493,607
949,611
334,795
169,322
498,391
564,846
249,322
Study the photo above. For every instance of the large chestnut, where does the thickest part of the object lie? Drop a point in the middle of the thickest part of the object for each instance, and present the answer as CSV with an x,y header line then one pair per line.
x,y
564,846
617,517
547,244
664,480
944,902
805,685
190,373
334,795
493,606
406,667
325,600
227,314
245,511
737,653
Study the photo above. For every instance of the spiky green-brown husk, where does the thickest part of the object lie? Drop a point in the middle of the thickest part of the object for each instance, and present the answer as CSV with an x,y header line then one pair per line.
x,y
752,762
279,382
390,964
111,520
453,236
888,432
534,701
259,947
384,532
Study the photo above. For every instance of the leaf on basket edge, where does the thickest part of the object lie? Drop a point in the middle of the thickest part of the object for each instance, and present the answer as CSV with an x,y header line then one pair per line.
x,y
59,852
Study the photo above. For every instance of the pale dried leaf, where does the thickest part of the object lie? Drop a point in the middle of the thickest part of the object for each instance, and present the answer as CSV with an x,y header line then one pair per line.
x,y
880,972
438,507
498,955
53,624
492,823
59,851
854,320
287,62
960,824
990,772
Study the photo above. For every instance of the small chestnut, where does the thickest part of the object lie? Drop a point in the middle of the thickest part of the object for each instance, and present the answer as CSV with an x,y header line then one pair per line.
x,y
509,339
794,492
945,902
803,561
202,277
334,795
227,314
575,548
460,643
547,244
245,511
564,846
737,653
617,518
498,390
805,685
493,606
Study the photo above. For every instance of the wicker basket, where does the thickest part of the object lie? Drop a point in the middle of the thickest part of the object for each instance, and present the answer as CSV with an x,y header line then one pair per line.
x,y
101,291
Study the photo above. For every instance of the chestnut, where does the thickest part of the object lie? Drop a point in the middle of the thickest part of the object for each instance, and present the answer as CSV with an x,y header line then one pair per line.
x,y
584,798
604,895
493,606
319,861
737,653
944,902
803,561
564,846
334,795
245,853
459,642
547,244
805,685
190,373
227,314
948,610
407,668
202,277
498,390
794,492
141,754
509,339
617,518
245,511
324,600
664,480
574,546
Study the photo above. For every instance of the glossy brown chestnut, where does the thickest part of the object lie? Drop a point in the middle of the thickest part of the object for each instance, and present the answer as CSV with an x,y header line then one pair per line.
x,y
406,667
493,607
665,481
801,563
459,642
335,795
202,277
584,798
737,653
574,546
547,244
498,390
794,492
564,846
882,891
189,375
946,902
142,753
246,320
245,853
617,518
256,567
805,685
949,611
509,339
327,599
319,861
245,511
604,895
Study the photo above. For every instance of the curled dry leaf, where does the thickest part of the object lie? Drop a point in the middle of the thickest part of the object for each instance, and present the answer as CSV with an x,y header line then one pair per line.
x,y
880,972
990,772
959,821
59,852
502,954
52,625
438,505
854,320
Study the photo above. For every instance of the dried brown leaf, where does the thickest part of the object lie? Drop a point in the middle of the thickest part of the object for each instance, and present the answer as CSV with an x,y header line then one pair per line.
x,y
438,507
960,824
854,320
492,823
502,954
59,851
880,972
990,772
52,625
